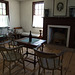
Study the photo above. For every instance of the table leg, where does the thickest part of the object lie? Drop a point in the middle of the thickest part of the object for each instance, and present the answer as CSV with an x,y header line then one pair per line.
x,y
42,47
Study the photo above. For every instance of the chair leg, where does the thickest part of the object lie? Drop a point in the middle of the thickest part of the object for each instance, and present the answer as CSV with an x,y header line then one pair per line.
x,y
9,68
52,72
3,66
61,70
39,70
24,66
44,71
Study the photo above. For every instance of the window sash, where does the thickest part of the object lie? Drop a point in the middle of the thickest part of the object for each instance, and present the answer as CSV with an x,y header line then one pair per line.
x,y
4,13
2,8
38,13
4,5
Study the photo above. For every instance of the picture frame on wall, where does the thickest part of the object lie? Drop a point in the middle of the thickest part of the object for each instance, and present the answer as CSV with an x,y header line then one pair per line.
x,y
60,8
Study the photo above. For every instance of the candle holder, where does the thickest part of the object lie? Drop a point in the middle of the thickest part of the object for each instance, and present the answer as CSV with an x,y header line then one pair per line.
x,y
40,33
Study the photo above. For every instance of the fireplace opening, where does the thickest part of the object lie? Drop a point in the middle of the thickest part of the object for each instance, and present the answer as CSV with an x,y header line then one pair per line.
x,y
58,35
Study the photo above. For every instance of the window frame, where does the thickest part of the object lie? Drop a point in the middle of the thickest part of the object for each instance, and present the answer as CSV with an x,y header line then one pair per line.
x,y
33,11
7,6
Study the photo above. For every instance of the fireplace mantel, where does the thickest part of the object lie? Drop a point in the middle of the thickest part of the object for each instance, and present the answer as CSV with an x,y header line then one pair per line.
x,y
69,21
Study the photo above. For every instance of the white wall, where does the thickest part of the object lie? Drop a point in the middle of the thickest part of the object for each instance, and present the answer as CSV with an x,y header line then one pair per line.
x,y
26,16
14,12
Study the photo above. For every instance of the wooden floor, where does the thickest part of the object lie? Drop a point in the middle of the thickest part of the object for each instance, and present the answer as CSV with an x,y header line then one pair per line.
x,y
68,64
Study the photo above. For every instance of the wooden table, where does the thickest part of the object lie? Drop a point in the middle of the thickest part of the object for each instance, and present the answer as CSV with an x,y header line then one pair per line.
x,y
33,44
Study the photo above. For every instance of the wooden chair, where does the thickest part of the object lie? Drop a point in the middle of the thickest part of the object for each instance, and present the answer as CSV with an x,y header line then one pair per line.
x,y
10,41
18,35
49,61
11,55
12,38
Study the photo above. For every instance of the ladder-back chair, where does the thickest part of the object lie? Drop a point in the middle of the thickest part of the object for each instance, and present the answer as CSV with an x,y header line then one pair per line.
x,y
49,61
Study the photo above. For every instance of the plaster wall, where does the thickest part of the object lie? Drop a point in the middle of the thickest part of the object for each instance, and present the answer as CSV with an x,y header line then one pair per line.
x,y
14,13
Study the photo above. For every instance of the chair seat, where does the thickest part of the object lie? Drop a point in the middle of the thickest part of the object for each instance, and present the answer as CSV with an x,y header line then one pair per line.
x,y
50,63
13,56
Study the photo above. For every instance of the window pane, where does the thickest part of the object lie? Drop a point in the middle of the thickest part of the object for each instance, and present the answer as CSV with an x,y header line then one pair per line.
x,y
0,11
42,6
4,12
0,5
3,21
36,6
36,12
40,12
4,6
37,21
3,16
39,6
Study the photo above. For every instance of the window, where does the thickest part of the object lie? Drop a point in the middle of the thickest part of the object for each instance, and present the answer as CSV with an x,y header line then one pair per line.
x,y
38,13
2,9
4,12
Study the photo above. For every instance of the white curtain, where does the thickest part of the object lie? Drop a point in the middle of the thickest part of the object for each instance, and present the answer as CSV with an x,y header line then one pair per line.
x,y
3,20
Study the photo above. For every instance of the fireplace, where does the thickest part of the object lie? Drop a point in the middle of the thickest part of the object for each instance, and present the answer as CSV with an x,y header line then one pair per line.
x,y
64,23
58,34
